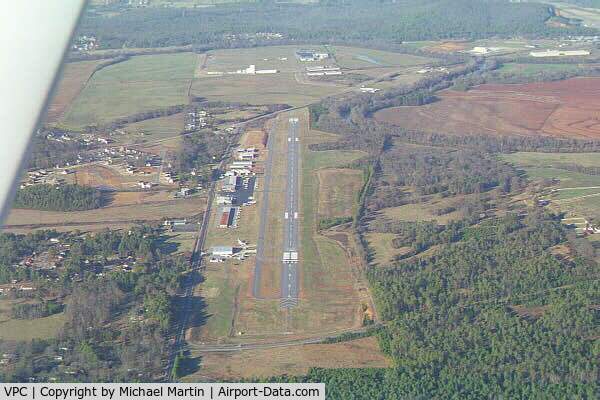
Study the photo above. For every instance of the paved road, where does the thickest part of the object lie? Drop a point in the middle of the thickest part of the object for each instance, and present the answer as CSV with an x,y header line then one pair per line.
x,y
290,262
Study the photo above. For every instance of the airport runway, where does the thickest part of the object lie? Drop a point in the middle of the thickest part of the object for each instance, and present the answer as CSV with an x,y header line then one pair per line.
x,y
290,261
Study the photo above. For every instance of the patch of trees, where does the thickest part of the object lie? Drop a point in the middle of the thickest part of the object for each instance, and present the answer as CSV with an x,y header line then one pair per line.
x,y
497,76
428,170
326,223
14,247
348,21
35,310
46,153
61,198
200,149
578,168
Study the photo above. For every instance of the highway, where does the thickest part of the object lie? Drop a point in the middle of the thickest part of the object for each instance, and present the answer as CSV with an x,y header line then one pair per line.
x,y
290,262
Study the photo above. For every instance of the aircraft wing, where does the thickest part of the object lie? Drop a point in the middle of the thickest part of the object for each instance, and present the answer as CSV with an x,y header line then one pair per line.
x,y
35,36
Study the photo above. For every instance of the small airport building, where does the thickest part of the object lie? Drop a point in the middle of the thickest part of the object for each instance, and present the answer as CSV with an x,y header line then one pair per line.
x,y
222,251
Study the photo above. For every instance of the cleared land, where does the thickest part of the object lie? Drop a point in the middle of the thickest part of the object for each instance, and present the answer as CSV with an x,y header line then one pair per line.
x,y
295,360
590,16
138,84
568,108
149,211
75,76
164,129
27,329
280,88
574,192
447,47
338,191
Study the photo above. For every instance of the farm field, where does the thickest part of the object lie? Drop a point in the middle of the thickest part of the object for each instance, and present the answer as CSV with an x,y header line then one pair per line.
x,y
74,78
446,47
294,360
566,108
534,69
138,84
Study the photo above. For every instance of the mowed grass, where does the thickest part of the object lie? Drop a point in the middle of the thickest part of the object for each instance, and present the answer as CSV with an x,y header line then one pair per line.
x,y
138,84
280,88
356,58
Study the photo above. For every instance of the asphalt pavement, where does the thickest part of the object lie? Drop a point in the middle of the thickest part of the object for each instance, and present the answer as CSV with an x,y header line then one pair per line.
x,y
289,270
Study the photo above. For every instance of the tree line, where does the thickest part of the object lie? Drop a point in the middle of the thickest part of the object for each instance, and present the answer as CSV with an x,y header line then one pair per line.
x,y
240,25
59,198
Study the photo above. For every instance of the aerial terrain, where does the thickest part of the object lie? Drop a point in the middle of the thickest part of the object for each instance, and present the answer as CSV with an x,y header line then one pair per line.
x,y
401,203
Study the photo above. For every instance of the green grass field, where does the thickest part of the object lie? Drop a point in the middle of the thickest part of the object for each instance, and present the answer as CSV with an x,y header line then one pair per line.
x,y
550,159
152,130
547,166
534,69
138,84
580,197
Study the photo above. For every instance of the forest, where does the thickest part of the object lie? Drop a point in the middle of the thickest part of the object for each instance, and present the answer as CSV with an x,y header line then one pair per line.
x,y
384,23
471,322
61,198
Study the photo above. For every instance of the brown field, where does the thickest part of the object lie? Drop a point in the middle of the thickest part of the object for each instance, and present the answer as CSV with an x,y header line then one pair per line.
x,y
295,360
75,76
338,188
254,138
447,47
569,108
